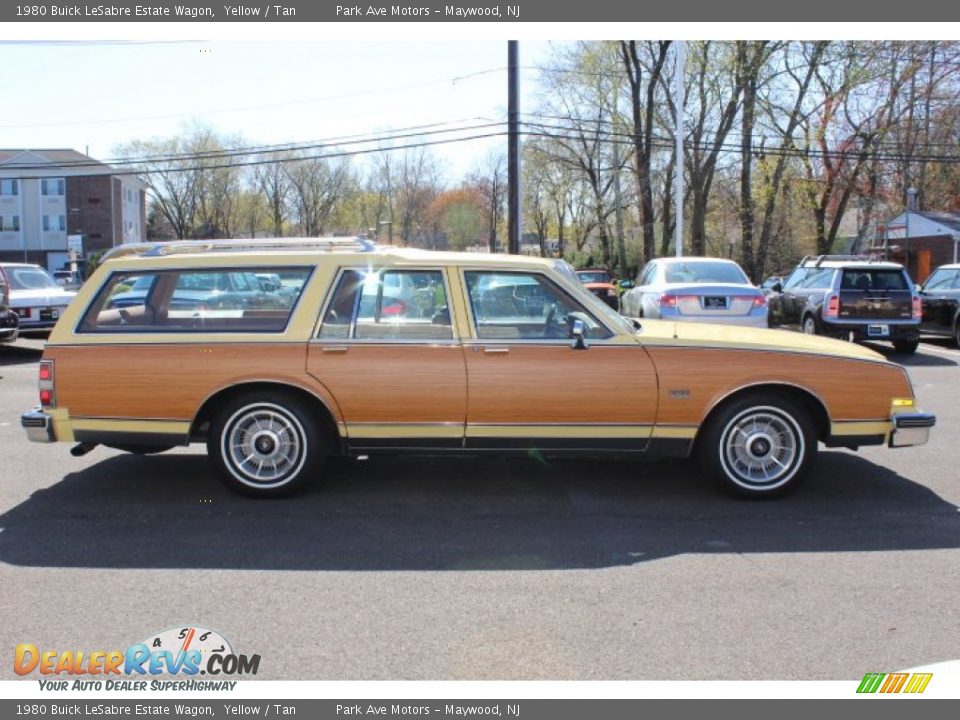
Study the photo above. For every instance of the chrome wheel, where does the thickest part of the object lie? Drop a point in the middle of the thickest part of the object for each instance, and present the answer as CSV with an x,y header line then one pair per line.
x,y
263,445
761,448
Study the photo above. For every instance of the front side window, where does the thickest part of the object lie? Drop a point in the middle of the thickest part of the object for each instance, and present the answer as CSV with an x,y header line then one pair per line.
x,y
816,279
525,306
389,305
221,300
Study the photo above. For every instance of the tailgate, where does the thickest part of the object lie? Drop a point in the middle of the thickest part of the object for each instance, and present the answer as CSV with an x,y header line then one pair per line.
x,y
875,294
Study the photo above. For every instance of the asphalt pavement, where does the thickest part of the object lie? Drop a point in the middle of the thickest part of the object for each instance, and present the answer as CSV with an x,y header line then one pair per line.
x,y
492,569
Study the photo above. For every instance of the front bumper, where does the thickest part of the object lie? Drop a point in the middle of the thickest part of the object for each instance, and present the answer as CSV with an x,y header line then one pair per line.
x,y
39,426
911,429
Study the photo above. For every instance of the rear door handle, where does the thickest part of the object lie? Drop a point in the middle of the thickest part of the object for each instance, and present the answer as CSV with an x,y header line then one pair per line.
x,y
334,348
496,350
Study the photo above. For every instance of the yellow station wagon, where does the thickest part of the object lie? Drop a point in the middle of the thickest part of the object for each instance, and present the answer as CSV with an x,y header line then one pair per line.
x,y
281,353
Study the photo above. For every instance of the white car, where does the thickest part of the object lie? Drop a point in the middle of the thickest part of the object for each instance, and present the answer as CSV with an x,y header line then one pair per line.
x,y
696,289
35,296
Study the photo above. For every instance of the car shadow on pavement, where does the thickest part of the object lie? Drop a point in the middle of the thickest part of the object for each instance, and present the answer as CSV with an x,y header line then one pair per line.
x,y
446,514
19,355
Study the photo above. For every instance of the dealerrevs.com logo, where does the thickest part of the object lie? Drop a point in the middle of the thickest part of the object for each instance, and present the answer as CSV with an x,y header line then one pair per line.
x,y
182,651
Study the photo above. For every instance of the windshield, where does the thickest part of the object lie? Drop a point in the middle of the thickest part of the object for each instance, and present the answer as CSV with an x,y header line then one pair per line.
x,y
705,272
30,278
593,277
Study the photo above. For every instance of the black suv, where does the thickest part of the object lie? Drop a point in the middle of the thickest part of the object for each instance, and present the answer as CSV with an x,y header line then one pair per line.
x,y
940,294
9,322
849,298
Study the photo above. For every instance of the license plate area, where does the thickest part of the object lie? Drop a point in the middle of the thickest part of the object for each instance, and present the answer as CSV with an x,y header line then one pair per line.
x,y
49,314
714,302
878,330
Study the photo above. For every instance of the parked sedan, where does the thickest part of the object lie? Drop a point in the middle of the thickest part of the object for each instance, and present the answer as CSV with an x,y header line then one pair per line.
x,y
35,296
696,289
940,298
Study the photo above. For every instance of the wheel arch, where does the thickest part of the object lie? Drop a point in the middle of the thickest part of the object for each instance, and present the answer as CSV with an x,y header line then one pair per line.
x,y
803,396
209,406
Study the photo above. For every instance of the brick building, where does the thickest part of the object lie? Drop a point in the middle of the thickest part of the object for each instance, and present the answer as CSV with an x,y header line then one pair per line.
x,y
49,195
922,240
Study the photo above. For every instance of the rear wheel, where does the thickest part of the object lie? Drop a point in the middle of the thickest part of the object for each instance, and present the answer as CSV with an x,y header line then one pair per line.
x,y
906,346
809,325
760,445
267,444
956,332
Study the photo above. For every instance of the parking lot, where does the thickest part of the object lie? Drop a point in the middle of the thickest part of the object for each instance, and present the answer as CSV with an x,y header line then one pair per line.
x,y
492,569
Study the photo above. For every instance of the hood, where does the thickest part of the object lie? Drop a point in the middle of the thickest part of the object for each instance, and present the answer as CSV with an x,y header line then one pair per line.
x,y
718,335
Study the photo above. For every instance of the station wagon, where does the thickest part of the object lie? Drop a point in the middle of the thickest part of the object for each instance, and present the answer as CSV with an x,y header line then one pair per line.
x,y
355,349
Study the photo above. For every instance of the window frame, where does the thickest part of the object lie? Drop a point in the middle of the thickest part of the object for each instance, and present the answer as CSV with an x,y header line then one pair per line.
x,y
99,299
334,286
475,339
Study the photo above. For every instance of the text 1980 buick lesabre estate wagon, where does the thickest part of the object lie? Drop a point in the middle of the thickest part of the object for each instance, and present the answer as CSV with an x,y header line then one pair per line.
x,y
354,349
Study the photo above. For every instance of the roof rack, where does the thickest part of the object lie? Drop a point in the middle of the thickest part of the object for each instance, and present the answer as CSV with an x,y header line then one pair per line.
x,y
818,260
160,249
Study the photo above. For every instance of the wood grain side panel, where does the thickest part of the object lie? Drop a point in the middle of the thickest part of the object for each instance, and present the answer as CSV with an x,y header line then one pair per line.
x,y
692,380
170,381
542,384
396,383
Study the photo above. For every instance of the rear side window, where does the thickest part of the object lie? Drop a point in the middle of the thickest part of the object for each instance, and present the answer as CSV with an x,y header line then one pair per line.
x,y
389,305
207,300
873,279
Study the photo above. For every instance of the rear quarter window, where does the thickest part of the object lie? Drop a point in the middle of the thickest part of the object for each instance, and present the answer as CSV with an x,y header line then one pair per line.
x,y
204,300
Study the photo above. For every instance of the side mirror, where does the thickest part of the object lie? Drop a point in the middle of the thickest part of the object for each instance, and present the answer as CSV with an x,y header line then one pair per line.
x,y
776,287
626,284
577,331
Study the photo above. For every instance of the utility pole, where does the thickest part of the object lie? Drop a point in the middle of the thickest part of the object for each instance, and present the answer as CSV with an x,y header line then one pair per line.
x,y
514,224
678,131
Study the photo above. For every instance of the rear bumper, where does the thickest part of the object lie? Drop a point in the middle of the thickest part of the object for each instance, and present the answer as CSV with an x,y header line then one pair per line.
x,y
879,330
38,425
911,429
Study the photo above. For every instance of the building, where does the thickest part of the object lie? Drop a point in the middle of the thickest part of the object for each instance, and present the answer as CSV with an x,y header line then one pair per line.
x,y
921,240
52,201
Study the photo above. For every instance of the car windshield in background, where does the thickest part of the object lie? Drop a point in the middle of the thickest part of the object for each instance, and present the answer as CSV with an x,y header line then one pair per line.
x,y
874,279
704,272
28,278
594,277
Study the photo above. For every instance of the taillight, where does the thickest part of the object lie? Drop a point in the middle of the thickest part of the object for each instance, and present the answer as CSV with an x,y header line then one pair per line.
x,y
23,312
757,300
832,308
668,301
45,383
917,308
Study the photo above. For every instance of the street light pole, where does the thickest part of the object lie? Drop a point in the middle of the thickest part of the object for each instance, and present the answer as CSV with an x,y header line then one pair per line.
x,y
680,101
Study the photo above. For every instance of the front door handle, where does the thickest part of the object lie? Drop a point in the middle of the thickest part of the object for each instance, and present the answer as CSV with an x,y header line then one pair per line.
x,y
496,350
334,348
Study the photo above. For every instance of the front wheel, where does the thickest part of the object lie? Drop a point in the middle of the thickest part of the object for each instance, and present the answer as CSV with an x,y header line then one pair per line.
x,y
266,444
761,445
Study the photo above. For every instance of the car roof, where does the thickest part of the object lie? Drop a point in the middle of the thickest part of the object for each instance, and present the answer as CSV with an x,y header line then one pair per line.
x,y
16,264
948,266
208,254
854,264
698,258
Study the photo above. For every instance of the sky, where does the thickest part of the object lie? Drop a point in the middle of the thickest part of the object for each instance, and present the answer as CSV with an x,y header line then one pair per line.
x,y
92,96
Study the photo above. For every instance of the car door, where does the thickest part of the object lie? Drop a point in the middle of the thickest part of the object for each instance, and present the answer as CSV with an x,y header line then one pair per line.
x,y
529,387
939,298
388,353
